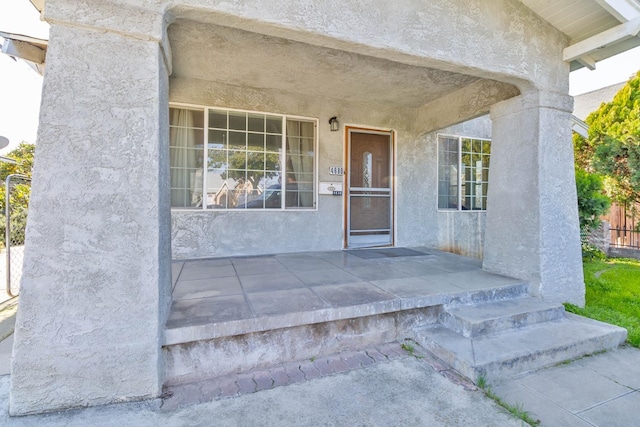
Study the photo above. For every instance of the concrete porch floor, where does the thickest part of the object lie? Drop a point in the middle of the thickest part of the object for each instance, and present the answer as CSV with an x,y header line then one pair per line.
x,y
230,296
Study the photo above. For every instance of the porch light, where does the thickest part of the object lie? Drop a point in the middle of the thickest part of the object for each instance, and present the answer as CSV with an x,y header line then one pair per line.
x,y
333,123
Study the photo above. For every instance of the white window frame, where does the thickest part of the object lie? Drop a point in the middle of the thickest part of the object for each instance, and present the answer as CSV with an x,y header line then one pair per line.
x,y
460,177
205,110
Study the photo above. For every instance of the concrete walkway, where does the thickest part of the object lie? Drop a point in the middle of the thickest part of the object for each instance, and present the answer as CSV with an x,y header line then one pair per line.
x,y
403,391
601,390
380,386
398,389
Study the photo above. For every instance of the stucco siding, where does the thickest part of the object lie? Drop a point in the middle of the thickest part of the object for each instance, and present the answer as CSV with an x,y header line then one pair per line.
x,y
199,234
420,222
224,233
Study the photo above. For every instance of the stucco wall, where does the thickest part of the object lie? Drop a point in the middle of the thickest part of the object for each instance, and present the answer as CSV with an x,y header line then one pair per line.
x,y
421,222
418,222
96,245
219,233
497,39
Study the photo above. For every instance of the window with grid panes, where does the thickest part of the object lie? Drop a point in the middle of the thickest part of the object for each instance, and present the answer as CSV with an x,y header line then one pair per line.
x,y
253,160
463,172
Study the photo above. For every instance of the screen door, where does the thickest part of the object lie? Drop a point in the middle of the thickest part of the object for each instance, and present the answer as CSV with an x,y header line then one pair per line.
x,y
370,196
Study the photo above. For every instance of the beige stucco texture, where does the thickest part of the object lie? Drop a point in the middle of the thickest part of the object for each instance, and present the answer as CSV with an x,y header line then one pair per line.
x,y
96,282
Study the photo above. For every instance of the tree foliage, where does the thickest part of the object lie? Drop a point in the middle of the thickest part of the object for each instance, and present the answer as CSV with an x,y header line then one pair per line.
x,y
23,155
592,202
613,147
20,191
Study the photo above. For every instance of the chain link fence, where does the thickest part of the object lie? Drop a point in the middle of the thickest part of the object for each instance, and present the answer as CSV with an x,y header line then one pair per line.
x,y
17,190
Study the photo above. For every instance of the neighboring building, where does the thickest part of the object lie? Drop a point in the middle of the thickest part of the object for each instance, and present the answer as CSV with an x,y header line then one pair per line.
x,y
194,128
586,103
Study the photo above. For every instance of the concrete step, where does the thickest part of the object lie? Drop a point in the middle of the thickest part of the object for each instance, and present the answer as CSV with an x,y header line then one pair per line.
x,y
193,352
496,316
510,353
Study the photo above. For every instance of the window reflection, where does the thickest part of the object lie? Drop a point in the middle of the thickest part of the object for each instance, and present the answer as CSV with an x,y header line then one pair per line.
x,y
250,162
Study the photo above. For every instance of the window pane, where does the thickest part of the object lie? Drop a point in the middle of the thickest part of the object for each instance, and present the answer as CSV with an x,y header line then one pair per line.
x,y
216,179
448,173
256,142
217,198
237,160
256,122
237,120
218,119
466,203
237,199
475,174
448,144
306,129
245,162
217,159
485,160
299,164
274,124
255,161
272,162
217,139
179,117
237,141
486,147
274,143
186,141
273,197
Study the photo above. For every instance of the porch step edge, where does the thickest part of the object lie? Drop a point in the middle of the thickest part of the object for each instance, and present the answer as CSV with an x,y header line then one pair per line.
x,y
511,353
496,316
174,335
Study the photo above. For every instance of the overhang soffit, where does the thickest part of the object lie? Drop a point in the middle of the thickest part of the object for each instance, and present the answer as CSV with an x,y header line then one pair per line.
x,y
598,29
483,40
241,58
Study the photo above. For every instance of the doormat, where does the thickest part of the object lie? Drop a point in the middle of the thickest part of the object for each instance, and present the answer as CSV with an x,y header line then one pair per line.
x,y
384,253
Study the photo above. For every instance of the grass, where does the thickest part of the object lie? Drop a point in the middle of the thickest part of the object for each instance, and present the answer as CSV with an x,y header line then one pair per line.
x,y
613,294
410,349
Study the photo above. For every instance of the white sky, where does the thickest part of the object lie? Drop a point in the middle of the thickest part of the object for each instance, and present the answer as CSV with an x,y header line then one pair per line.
x,y
614,70
20,86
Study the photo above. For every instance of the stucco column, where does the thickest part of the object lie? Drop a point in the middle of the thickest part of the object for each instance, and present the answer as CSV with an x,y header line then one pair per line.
x,y
96,280
532,229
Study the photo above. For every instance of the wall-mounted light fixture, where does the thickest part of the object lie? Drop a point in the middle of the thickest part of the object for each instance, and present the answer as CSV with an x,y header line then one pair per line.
x,y
333,123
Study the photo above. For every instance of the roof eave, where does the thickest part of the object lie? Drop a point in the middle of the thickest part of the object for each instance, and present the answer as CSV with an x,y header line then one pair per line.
x,y
29,49
38,4
625,36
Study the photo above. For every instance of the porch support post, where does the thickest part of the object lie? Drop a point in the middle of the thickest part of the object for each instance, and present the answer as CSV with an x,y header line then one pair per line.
x,y
96,281
532,229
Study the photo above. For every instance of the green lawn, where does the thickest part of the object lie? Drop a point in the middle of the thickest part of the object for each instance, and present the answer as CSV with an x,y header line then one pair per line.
x,y
613,294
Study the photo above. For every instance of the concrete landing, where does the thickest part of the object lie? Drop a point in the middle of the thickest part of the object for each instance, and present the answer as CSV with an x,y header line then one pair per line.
x,y
240,314
503,339
214,298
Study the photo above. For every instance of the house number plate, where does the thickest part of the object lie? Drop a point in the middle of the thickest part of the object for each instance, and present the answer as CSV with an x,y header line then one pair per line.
x,y
335,170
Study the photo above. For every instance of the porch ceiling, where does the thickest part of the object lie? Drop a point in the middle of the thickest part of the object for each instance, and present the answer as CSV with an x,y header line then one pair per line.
x,y
237,57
